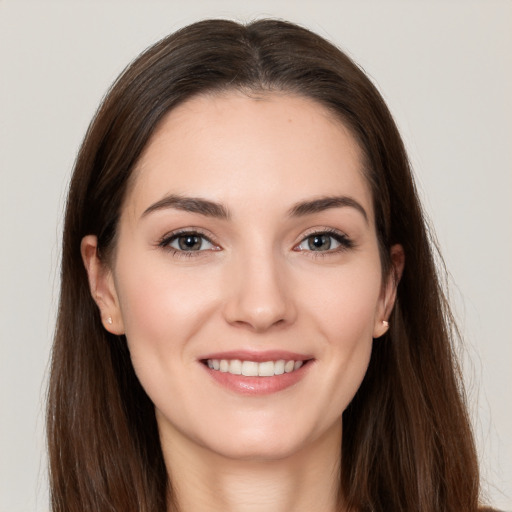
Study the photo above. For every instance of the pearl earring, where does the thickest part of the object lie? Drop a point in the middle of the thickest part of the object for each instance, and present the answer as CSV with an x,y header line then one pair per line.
x,y
109,320
385,323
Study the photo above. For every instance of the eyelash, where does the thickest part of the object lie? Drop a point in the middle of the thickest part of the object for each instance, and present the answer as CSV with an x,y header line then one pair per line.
x,y
345,243
166,241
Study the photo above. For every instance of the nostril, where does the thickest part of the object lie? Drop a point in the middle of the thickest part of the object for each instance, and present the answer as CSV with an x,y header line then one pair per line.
x,y
259,299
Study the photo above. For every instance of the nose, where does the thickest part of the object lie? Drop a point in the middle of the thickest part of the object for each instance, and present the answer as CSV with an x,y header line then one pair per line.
x,y
259,294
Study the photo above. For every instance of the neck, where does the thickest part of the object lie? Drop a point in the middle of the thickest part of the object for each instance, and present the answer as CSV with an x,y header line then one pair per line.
x,y
304,481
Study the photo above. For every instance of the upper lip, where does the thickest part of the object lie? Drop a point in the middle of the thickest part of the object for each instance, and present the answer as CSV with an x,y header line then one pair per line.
x,y
258,356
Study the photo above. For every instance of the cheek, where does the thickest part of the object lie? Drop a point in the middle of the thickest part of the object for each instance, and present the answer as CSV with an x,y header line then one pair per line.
x,y
344,315
347,303
163,310
161,307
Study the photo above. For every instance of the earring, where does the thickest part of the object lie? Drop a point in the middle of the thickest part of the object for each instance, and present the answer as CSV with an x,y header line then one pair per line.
x,y
385,323
109,320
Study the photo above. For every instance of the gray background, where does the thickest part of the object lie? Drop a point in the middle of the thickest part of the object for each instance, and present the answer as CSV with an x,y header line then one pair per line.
x,y
445,68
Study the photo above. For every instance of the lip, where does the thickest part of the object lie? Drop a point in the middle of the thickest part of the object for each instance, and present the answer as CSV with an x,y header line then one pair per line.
x,y
258,356
258,385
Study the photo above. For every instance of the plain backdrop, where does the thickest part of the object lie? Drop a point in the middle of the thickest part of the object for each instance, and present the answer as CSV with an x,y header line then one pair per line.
x,y
445,68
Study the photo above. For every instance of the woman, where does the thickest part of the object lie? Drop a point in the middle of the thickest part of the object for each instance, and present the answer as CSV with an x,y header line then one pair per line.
x,y
250,312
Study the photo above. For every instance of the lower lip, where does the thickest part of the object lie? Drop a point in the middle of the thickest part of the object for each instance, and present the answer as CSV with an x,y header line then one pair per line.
x,y
258,385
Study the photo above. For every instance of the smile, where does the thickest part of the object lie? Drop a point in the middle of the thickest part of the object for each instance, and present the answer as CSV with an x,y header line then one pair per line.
x,y
253,368
256,373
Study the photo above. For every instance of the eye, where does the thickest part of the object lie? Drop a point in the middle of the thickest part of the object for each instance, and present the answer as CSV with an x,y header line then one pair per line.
x,y
325,242
187,242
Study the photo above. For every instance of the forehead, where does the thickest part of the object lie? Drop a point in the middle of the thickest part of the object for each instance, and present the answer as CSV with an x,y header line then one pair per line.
x,y
240,149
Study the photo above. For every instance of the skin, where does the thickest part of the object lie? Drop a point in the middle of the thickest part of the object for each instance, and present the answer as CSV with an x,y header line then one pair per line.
x,y
257,285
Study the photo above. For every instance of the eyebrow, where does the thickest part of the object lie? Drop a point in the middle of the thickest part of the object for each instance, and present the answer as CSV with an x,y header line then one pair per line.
x,y
190,204
325,203
218,210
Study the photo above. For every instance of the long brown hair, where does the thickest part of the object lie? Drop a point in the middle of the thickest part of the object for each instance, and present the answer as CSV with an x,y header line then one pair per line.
x,y
407,442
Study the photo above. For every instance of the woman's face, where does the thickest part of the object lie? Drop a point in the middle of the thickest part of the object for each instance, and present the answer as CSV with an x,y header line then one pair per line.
x,y
246,241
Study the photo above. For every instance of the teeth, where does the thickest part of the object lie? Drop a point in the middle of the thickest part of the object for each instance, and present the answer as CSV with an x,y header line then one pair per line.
x,y
252,368
235,367
288,367
279,367
266,369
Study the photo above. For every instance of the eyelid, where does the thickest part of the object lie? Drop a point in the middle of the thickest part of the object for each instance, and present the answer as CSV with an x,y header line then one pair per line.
x,y
342,238
344,241
169,237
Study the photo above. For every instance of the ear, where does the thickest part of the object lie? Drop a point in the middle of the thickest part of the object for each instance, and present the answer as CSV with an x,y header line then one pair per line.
x,y
102,286
388,295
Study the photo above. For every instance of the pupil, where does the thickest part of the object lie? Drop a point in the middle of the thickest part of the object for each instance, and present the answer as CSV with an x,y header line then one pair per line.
x,y
190,243
320,242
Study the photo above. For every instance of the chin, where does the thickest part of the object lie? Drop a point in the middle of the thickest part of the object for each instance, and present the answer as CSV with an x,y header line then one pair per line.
x,y
267,443
266,449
